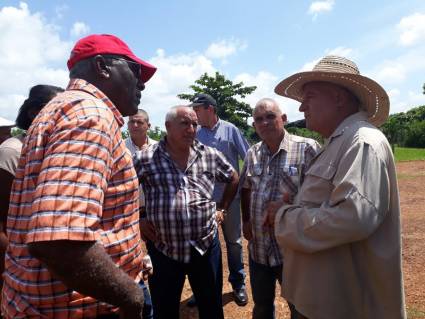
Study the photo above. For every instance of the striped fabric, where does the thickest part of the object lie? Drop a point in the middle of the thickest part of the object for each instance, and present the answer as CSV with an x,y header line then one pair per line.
x,y
268,176
75,181
179,203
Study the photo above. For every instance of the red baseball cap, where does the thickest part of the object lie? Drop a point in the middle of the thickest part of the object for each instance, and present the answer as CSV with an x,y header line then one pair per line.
x,y
107,44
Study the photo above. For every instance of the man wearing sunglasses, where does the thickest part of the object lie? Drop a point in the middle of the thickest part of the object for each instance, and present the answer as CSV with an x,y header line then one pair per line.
x,y
73,223
272,167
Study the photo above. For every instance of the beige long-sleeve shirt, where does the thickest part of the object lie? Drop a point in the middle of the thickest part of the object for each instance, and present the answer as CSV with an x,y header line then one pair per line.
x,y
341,239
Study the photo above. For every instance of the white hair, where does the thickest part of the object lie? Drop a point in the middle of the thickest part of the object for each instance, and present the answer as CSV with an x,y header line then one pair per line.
x,y
172,112
267,101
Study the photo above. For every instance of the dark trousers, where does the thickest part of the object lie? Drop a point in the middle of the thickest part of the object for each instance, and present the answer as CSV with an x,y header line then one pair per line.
x,y
263,285
205,276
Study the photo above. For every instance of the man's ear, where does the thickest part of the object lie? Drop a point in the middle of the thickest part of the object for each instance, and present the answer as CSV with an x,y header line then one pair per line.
x,y
284,119
101,68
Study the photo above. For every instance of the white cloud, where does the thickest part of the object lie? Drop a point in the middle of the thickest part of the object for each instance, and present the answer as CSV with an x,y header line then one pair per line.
x,y
391,72
174,76
412,29
340,51
318,7
79,29
32,53
266,83
224,48
402,103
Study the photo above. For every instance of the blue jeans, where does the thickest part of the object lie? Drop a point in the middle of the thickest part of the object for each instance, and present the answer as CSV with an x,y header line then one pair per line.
x,y
232,236
263,285
147,307
205,275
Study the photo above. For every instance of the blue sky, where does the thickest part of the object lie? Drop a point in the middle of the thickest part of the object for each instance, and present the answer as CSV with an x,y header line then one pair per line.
x,y
257,42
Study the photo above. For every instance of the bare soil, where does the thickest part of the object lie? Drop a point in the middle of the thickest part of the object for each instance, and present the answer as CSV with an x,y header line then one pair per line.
x,y
411,177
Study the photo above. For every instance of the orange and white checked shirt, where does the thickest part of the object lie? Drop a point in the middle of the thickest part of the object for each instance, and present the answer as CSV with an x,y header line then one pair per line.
x,y
74,181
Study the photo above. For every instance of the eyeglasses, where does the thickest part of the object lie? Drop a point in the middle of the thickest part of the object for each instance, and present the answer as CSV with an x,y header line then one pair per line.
x,y
268,117
135,67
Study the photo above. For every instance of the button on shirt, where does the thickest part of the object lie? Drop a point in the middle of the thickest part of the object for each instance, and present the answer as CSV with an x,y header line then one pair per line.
x,y
268,176
75,181
228,139
179,203
341,238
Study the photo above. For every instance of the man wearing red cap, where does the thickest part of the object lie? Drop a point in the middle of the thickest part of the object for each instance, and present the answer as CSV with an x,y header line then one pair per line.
x,y
73,222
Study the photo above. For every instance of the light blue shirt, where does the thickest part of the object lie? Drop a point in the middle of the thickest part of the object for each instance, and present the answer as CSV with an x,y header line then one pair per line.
x,y
227,138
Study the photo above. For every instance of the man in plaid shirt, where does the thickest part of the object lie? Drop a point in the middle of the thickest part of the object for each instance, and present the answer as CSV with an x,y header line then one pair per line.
x,y
272,167
177,176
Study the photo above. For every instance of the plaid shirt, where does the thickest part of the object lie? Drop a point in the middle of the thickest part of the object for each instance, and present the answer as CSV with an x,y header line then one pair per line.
x,y
179,203
268,176
74,181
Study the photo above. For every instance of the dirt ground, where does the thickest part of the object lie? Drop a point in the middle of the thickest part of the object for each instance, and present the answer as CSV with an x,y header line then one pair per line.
x,y
411,176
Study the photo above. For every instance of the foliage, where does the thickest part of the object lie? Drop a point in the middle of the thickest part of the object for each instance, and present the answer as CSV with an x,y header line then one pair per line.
x,y
156,133
406,129
306,133
228,95
17,131
409,154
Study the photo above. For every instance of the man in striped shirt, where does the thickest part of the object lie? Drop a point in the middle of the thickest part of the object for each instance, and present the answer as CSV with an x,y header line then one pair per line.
x,y
73,222
272,167
178,176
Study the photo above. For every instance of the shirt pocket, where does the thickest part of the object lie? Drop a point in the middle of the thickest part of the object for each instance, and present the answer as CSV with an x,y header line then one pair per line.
x,y
204,183
253,176
318,183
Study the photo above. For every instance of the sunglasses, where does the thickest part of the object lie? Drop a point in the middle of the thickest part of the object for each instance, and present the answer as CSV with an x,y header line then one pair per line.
x,y
135,67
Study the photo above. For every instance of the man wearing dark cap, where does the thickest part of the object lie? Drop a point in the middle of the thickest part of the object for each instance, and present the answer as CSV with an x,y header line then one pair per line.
x,y
73,222
228,139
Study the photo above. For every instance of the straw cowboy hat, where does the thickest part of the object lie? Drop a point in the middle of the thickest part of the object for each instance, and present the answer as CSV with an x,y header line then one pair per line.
x,y
343,72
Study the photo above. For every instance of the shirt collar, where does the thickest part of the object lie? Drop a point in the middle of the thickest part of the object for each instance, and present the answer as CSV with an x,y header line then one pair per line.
x,y
284,143
347,122
82,85
197,146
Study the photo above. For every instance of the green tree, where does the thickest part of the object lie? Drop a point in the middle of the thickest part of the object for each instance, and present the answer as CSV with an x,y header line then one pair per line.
x,y
156,133
228,95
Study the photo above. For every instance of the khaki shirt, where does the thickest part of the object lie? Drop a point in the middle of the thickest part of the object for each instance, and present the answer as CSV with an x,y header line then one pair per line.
x,y
341,239
10,151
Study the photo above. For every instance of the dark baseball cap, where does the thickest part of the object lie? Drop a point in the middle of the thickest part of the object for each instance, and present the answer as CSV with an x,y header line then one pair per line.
x,y
107,44
203,99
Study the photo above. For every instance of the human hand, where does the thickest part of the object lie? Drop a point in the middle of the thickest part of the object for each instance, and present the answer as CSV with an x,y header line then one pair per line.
x,y
219,216
147,267
247,230
147,230
270,213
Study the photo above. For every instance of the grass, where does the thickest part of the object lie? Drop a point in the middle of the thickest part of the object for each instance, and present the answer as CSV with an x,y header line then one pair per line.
x,y
409,154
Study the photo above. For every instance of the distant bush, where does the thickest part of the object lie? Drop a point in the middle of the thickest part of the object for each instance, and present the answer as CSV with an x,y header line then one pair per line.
x,y
415,136
406,129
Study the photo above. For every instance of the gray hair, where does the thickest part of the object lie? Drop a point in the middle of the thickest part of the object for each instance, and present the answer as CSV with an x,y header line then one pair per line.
x,y
266,101
143,113
172,112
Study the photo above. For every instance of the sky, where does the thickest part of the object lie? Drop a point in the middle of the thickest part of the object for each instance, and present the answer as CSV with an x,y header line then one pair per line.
x,y
255,42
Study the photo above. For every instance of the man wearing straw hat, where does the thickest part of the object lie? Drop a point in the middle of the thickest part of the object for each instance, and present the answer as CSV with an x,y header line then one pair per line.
x,y
341,236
